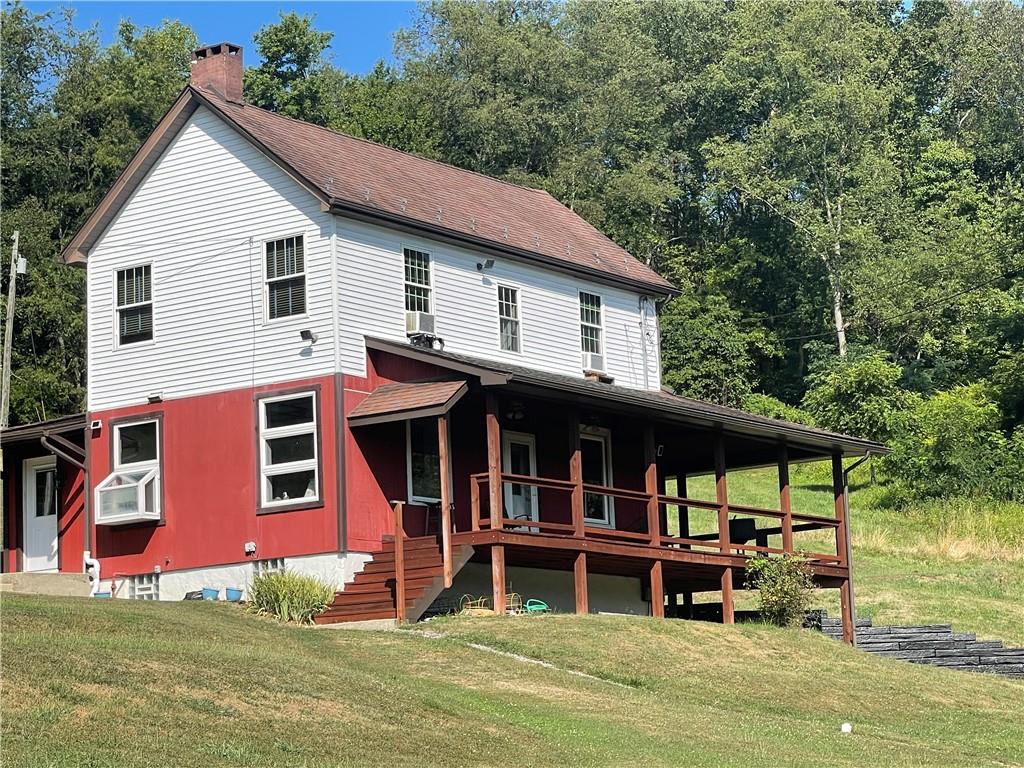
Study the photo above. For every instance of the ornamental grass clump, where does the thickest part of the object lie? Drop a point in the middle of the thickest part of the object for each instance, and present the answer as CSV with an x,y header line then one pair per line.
x,y
289,596
784,587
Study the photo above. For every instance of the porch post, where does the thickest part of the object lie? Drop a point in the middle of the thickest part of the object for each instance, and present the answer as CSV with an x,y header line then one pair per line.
x,y
576,474
498,578
722,497
784,499
494,465
684,512
843,548
651,487
580,577
399,564
446,497
657,591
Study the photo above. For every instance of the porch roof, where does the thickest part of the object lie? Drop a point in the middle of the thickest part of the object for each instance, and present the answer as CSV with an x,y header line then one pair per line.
x,y
36,430
407,400
665,406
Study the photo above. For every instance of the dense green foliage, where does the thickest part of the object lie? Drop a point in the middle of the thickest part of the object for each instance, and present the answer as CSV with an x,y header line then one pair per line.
x,y
289,596
784,588
827,182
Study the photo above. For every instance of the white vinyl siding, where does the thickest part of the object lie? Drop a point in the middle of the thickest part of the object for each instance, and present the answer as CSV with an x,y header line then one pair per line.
x,y
202,218
464,301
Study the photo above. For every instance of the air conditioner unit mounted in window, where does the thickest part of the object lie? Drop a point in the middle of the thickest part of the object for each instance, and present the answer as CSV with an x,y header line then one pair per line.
x,y
419,324
593,362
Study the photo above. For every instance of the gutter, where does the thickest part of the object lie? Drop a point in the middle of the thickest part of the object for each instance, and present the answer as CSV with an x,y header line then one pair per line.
x,y
849,549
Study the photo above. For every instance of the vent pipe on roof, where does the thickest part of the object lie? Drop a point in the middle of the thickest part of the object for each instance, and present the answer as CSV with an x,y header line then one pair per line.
x,y
218,68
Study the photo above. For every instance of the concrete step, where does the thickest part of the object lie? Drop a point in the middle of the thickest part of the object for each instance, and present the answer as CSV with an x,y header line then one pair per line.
x,y
56,584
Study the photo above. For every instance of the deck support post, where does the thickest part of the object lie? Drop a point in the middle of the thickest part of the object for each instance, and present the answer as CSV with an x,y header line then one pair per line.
x,y
684,512
657,591
651,486
687,605
498,578
843,549
399,564
728,616
444,455
576,474
494,463
785,502
580,578
722,497
846,609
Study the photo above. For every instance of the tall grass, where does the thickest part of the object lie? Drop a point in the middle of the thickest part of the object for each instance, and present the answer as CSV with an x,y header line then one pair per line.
x,y
289,596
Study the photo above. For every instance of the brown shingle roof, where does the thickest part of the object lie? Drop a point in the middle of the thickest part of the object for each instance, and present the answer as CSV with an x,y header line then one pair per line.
x,y
391,402
359,175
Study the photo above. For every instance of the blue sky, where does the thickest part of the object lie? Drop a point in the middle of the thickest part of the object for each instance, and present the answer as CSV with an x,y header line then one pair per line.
x,y
362,30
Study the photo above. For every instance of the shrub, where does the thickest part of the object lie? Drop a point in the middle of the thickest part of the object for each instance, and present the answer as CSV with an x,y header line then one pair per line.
x,y
952,446
783,587
773,408
289,596
860,397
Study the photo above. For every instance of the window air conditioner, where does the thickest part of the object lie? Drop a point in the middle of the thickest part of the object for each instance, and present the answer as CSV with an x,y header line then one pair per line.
x,y
419,324
593,362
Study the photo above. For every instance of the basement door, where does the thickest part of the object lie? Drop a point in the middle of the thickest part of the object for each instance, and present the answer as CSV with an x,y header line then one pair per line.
x,y
519,457
39,497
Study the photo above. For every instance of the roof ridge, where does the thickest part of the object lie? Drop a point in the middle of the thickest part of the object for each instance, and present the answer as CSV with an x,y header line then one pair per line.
x,y
334,132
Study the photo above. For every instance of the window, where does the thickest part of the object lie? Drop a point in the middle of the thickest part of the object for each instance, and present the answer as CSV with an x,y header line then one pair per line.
x,y
595,452
273,565
286,278
590,322
131,492
134,305
289,450
145,586
46,492
508,318
417,281
424,461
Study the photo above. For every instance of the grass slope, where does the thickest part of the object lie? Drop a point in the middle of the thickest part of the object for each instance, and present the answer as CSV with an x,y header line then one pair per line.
x,y
111,683
945,561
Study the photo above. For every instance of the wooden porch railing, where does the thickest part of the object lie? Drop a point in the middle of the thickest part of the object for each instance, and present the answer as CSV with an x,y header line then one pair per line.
x,y
700,542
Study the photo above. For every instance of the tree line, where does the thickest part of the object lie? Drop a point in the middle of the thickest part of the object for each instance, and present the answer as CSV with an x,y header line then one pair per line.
x,y
834,186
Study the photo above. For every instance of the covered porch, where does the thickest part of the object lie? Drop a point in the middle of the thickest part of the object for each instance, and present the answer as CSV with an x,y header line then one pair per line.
x,y
540,471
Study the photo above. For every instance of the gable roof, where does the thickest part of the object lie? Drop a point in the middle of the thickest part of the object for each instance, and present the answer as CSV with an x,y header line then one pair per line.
x,y
358,178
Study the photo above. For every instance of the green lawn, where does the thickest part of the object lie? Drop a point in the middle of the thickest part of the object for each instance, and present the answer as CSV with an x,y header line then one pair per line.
x,y
112,683
958,561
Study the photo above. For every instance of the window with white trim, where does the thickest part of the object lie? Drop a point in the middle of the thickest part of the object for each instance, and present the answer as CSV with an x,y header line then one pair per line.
x,y
417,281
145,586
289,450
508,319
285,277
134,305
590,323
423,459
131,492
271,565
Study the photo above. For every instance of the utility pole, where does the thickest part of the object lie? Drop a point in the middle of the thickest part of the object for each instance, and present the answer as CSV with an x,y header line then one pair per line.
x,y
5,388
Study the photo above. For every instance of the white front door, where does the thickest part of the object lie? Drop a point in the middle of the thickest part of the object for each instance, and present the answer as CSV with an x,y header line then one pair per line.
x,y
39,496
519,457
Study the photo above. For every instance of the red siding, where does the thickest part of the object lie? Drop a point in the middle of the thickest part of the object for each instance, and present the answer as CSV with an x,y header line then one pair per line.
x,y
210,487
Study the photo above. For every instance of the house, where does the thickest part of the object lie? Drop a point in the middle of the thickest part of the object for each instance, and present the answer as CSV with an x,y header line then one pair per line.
x,y
306,350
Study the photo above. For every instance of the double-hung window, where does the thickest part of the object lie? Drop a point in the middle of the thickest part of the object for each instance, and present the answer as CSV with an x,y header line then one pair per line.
x,y
131,492
508,319
285,277
417,281
289,450
590,323
134,305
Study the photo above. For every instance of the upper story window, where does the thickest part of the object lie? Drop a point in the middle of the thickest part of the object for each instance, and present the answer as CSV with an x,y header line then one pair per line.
x,y
508,319
417,281
134,305
131,492
285,277
590,323
289,450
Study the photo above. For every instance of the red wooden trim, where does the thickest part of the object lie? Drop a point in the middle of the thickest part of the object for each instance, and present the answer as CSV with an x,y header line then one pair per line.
x,y
728,614
399,564
657,591
620,493
498,578
760,511
580,583
508,522
722,495
824,522
785,503
446,498
494,461
474,502
682,501
846,608
576,475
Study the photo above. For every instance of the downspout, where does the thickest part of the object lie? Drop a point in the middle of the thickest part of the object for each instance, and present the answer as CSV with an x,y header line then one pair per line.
x,y
849,553
643,341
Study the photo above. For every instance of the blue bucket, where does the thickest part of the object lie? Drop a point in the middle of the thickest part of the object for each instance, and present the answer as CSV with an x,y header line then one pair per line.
x,y
209,593
233,595
102,594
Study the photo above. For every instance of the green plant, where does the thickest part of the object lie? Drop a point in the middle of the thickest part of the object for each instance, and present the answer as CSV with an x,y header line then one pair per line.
x,y
773,408
289,596
784,587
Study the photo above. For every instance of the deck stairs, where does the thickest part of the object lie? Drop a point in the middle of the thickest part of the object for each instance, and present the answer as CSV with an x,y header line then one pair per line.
x,y
935,644
371,595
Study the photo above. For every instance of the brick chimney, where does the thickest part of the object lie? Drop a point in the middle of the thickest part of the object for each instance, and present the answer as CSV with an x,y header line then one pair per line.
x,y
218,68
